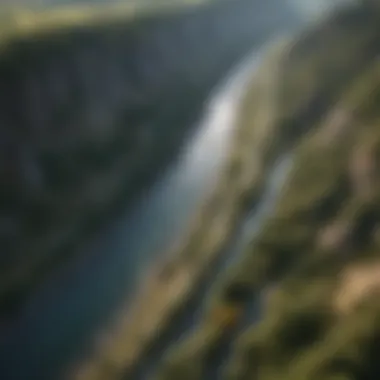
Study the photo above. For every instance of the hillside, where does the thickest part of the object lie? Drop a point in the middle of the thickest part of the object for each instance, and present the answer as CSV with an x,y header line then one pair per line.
x,y
312,269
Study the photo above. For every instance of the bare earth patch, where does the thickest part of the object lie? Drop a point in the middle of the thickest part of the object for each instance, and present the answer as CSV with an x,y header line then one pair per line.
x,y
358,282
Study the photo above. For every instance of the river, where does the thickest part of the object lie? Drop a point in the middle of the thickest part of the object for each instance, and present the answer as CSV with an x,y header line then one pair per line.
x,y
54,324
75,301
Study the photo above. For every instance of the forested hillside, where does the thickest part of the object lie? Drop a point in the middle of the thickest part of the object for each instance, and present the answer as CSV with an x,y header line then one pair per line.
x,y
313,267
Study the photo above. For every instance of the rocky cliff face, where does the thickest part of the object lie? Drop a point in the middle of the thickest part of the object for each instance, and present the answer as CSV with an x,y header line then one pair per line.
x,y
92,109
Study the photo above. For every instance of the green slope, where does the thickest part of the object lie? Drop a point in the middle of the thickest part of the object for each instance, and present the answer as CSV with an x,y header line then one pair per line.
x,y
316,324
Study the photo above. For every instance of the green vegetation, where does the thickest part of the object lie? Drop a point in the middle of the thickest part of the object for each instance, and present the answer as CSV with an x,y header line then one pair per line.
x,y
30,18
325,109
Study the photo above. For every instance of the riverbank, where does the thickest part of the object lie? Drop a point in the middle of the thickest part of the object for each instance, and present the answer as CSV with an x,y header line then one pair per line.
x,y
158,292
170,285
324,315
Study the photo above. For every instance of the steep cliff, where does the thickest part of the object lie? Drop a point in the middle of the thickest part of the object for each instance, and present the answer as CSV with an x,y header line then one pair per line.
x,y
93,105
